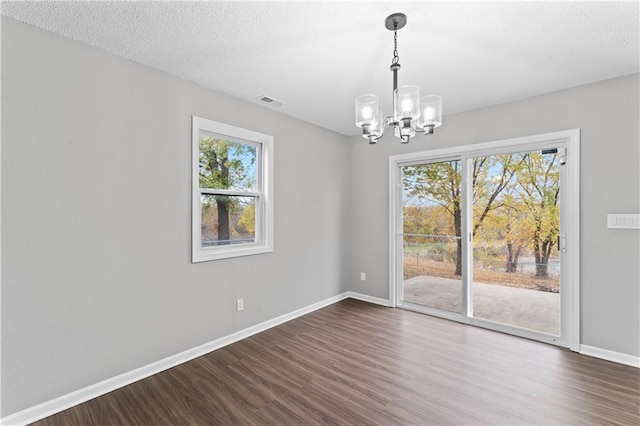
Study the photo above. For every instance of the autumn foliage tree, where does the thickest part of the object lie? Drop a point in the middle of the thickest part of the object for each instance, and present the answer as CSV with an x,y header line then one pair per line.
x,y
515,200
440,183
540,196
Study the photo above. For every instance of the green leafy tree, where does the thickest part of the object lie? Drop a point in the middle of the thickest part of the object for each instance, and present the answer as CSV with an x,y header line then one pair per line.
x,y
223,165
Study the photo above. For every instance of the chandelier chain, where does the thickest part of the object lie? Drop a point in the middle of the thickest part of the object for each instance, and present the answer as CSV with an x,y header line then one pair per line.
x,y
396,58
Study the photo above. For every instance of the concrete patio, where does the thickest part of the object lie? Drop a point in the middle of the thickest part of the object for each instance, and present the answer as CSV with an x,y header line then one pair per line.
x,y
532,309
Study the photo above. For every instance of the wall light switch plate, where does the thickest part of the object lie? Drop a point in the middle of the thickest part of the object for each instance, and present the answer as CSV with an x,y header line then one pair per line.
x,y
623,221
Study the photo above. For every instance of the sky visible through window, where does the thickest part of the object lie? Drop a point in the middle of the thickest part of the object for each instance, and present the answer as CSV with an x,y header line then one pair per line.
x,y
226,164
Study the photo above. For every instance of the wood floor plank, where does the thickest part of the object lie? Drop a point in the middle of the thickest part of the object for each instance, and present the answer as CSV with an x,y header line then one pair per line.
x,y
354,363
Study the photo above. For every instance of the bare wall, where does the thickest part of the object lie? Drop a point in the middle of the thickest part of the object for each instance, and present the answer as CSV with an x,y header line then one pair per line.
x,y
96,174
607,113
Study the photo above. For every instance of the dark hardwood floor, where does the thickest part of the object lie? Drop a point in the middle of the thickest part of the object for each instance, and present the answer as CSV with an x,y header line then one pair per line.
x,y
355,363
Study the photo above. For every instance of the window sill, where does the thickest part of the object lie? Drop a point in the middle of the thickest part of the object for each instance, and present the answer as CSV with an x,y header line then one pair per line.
x,y
204,255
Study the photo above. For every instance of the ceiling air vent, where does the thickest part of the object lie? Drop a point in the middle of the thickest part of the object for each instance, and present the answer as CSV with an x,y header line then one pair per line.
x,y
268,100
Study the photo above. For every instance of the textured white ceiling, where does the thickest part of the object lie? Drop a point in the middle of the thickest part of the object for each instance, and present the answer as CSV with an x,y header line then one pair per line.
x,y
316,57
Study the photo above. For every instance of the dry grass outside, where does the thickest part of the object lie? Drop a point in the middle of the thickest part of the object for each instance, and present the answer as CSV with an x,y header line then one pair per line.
x,y
447,269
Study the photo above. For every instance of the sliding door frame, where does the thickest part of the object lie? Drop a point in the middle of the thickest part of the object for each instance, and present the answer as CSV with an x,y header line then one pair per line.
x,y
570,220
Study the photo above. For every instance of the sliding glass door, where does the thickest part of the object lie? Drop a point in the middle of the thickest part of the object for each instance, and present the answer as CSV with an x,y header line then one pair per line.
x,y
480,236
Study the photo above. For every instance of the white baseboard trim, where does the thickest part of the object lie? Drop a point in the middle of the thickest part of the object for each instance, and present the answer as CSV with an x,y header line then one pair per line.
x,y
367,298
620,358
48,408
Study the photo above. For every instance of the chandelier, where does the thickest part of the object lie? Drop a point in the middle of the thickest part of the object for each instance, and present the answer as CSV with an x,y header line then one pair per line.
x,y
411,113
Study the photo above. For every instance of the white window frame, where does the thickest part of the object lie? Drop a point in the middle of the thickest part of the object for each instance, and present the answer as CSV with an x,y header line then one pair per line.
x,y
263,194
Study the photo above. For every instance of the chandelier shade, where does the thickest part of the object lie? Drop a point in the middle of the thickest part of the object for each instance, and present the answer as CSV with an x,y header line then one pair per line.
x,y
431,111
366,110
406,103
411,113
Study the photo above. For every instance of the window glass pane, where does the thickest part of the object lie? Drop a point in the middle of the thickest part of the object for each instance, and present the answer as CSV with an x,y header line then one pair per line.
x,y
431,241
226,164
227,220
516,258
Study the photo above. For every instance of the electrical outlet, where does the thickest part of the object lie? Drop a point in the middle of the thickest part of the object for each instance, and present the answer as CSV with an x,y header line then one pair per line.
x,y
239,305
363,276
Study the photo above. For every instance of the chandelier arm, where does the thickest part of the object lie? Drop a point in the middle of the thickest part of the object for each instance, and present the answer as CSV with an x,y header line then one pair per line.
x,y
373,139
386,122
427,130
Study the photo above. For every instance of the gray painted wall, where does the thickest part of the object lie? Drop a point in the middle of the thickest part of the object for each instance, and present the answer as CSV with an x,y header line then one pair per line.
x,y
96,216
607,113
